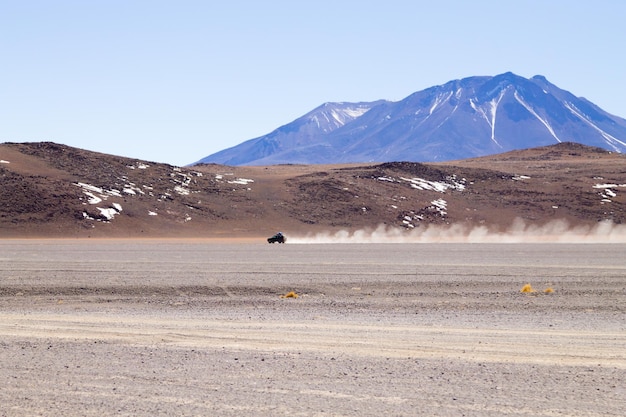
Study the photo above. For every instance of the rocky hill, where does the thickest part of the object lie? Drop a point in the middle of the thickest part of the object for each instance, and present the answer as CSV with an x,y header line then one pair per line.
x,y
52,190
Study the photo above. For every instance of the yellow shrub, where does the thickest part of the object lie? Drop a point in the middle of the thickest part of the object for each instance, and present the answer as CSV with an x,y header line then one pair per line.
x,y
290,294
527,288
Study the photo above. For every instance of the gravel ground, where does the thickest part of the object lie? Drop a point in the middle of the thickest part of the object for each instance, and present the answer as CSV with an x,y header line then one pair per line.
x,y
194,328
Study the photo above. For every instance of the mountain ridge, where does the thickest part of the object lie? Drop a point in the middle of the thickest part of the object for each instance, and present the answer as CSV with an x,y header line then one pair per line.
x,y
53,190
464,118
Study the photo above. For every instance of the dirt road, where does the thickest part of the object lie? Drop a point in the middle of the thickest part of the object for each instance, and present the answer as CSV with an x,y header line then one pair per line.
x,y
121,327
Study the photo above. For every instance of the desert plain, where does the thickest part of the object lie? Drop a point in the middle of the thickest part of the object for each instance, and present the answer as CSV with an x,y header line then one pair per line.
x,y
194,327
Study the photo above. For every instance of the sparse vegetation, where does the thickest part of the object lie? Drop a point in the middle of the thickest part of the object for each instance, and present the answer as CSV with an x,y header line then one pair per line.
x,y
290,294
528,289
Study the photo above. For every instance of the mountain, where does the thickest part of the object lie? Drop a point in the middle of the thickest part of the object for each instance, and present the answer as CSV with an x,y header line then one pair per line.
x,y
52,190
461,119
304,137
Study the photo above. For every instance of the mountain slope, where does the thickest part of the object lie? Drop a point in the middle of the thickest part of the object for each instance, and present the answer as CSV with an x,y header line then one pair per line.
x,y
303,136
51,190
465,118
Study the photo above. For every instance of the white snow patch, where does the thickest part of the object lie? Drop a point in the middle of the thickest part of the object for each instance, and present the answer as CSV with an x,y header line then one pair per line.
x,y
521,101
439,186
422,184
338,118
602,186
139,165
441,206
355,112
440,99
181,190
610,193
241,181
114,193
152,213
108,213
611,140
90,187
2,161
494,109
102,194
491,117
521,177
93,199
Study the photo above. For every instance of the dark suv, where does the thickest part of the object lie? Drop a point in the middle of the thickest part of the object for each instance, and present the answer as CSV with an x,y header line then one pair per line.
x,y
278,237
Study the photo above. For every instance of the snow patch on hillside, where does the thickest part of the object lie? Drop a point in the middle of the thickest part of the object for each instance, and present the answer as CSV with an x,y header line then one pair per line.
x,y
612,141
180,183
437,207
451,183
608,192
329,120
543,121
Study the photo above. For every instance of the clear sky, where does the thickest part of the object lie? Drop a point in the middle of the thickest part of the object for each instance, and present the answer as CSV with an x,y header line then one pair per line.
x,y
174,81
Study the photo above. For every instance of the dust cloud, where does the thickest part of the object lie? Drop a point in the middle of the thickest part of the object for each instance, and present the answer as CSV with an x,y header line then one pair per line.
x,y
557,231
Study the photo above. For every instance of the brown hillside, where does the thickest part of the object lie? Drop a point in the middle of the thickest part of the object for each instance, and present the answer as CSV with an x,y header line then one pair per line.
x,y
48,189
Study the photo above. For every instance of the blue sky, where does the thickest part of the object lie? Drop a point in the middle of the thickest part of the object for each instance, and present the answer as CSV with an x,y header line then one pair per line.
x,y
174,81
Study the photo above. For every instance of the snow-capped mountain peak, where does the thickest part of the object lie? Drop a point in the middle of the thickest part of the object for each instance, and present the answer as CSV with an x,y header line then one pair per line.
x,y
464,118
331,116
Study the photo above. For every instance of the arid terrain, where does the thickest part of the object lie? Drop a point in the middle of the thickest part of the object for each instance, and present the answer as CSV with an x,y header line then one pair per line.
x,y
51,190
135,288
194,327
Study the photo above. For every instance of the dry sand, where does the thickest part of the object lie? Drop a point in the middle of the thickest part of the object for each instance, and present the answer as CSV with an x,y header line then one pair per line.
x,y
199,328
